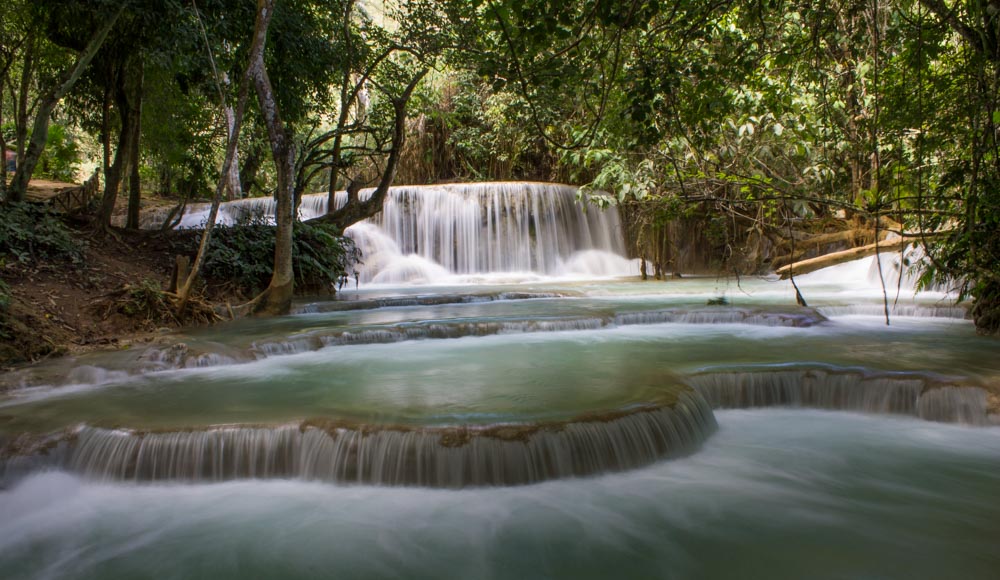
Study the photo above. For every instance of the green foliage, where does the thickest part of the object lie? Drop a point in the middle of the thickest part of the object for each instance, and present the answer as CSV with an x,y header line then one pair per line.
x,y
754,111
30,233
180,145
468,130
321,259
61,158
242,255
4,297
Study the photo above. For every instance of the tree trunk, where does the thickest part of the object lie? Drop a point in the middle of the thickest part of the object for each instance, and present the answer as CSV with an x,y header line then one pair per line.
x,y
277,298
234,188
3,153
849,237
345,108
113,179
106,126
356,210
116,174
135,111
40,129
127,97
24,90
248,173
134,182
233,122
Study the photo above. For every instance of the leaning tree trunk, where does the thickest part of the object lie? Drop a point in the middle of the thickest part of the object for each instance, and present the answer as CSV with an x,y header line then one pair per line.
x,y
803,267
40,129
355,209
234,122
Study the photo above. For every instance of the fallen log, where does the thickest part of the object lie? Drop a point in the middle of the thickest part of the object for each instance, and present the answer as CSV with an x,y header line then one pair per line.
x,y
852,235
824,261
815,242
832,259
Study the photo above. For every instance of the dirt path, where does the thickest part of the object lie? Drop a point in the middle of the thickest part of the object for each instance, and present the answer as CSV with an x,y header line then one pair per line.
x,y
40,190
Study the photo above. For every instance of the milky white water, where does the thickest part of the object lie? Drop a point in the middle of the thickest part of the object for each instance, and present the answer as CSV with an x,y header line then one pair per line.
x,y
468,231
774,494
519,421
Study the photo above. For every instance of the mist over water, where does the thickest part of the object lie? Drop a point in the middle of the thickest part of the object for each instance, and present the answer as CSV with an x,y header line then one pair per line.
x,y
846,496
491,402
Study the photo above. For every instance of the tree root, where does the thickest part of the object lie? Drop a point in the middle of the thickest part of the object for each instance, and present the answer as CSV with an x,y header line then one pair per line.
x,y
148,305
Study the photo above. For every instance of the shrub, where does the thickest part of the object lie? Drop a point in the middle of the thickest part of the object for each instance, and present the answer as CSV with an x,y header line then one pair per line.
x,y
30,232
4,298
322,259
61,155
143,301
242,256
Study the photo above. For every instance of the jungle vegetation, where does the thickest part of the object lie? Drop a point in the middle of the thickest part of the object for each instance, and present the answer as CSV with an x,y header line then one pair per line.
x,y
767,120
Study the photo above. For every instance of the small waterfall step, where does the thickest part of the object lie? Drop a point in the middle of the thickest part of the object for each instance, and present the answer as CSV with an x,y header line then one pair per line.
x,y
925,395
174,354
897,310
177,356
450,456
424,300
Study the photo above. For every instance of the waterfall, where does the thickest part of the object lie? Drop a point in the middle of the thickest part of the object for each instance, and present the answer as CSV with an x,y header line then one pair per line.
x,y
926,396
176,356
799,318
905,310
425,330
900,272
450,457
425,233
424,300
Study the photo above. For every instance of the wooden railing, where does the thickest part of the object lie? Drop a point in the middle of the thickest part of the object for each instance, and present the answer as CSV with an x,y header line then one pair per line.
x,y
67,199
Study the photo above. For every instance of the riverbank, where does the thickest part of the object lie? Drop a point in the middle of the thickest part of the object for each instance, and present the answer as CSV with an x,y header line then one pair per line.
x,y
60,307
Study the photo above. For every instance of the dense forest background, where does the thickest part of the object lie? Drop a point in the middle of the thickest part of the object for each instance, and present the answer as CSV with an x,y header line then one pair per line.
x,y
748,126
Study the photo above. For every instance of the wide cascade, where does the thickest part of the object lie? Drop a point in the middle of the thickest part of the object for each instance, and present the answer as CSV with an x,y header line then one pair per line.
x,y
437,456
431,233
405,451
497,372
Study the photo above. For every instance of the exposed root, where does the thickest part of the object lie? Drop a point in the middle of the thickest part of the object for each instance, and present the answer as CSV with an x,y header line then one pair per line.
x,y
149,306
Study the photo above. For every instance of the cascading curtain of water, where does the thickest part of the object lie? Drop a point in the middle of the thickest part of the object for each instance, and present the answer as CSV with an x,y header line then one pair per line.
x,y
930,398
426,233
384,455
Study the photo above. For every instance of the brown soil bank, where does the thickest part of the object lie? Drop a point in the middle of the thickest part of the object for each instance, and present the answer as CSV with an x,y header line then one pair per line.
x,y
59,307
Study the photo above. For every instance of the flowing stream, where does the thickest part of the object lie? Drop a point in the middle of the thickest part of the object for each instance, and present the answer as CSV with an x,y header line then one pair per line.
x,y
507,402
